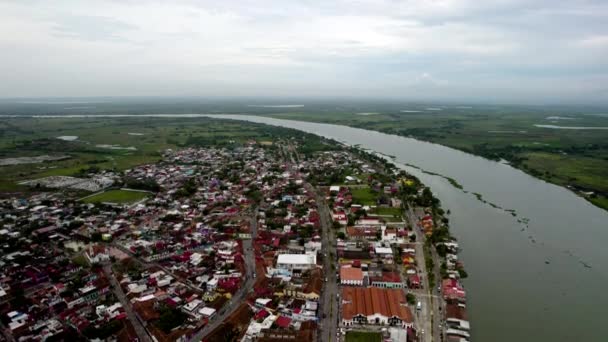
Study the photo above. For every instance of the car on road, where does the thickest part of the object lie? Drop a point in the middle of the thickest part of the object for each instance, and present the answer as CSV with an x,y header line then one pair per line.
x,y
419,306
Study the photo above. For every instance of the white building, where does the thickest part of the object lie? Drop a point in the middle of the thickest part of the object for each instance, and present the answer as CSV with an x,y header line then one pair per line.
x,y
296,262
97,254
207,312
192,305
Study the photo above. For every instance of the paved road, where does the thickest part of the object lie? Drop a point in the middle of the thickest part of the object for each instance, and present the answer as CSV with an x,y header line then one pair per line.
x,y
430,316
329,301
140,330
240,296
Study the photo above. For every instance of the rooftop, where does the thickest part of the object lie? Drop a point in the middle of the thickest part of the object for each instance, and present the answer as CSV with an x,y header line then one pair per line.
x,y
372,300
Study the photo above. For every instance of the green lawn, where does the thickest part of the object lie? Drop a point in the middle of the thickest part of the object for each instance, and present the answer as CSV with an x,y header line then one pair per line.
x,y
364,196
117,196
387,211
363,336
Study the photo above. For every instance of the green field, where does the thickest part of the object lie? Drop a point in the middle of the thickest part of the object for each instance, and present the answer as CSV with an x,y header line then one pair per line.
x,y
363,336
388,211
364,196
117,196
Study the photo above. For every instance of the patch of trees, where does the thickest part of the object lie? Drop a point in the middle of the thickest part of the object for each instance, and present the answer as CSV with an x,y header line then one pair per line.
x,y
104,331
170,319
426,199
188,189
148,184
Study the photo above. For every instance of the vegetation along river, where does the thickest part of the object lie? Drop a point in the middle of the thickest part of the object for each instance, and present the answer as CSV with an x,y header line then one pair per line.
x,y
536,254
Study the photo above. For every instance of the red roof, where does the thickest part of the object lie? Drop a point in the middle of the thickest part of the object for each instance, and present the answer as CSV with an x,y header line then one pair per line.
x,y
261,314
452,289
391,277
283,321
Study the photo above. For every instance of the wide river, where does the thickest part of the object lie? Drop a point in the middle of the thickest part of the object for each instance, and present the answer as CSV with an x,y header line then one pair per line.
x,y
546,280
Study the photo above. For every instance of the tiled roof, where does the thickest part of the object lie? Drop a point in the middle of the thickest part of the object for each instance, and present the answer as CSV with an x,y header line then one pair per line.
x,y
283,321
372,300
351,273
455,311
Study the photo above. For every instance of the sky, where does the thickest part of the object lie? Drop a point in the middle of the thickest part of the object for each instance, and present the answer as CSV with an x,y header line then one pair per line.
x,y
509,51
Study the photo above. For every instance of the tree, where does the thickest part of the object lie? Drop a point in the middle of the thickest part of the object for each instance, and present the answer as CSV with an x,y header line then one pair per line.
x,y
170,319
96,237
462,273
411,299
341,235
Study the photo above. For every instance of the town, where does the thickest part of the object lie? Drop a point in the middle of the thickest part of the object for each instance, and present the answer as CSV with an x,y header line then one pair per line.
x,y
268,240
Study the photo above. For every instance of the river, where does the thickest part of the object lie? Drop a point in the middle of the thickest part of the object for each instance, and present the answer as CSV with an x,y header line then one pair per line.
x,y
538,274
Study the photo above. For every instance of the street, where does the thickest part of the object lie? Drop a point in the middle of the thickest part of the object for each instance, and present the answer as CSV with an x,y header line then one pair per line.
x,y
240,296
329,308
140,330
235,301
329,305
429,316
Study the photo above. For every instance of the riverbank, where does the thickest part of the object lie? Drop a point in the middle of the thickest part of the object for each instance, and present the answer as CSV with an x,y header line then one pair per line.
x,y
574,159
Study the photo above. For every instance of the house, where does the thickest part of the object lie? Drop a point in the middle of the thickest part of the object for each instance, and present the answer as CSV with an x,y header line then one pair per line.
x,y
296,263
367,220
361,233
375,306
312,289
340,217
283,322
389,280
351,276
413,281
452,289
97,254
207,312
388,234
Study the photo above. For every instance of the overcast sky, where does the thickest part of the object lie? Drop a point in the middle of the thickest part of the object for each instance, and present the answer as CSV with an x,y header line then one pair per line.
x,y
525,51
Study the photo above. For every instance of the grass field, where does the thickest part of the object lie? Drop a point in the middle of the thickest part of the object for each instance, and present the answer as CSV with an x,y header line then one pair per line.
x,y
117,196
364,196
363,336
388,211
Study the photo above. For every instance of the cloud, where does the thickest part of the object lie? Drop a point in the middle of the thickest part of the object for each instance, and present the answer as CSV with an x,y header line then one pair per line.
x,y
427,79
598,41
520,48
